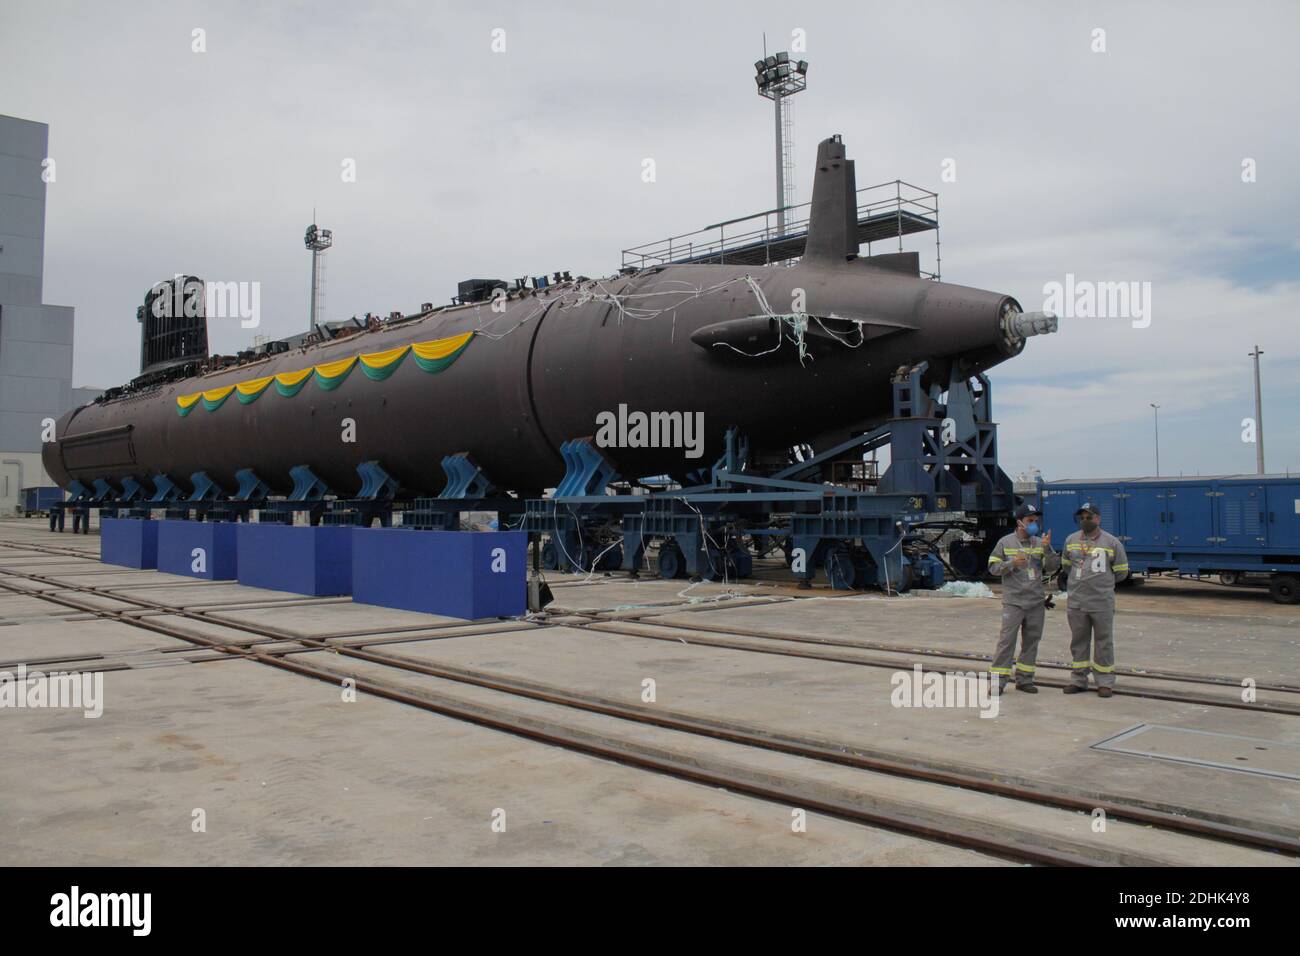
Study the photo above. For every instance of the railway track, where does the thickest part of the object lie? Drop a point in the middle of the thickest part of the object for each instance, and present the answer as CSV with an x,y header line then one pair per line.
x,y
609,622
699,634
1008,844
674,632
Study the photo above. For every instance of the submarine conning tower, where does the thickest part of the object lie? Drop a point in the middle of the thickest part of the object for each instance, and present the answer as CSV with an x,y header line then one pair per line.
x,y
173,324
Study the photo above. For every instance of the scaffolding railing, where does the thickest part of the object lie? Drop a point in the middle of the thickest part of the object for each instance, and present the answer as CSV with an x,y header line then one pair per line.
x,y
887,212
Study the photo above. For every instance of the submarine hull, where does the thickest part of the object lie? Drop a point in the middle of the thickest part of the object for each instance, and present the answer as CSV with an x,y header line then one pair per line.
x,y
785,354
537,374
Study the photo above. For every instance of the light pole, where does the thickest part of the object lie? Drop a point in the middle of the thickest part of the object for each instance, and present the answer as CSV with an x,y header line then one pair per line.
x,y
1157,410
777,78
1259,416
316,241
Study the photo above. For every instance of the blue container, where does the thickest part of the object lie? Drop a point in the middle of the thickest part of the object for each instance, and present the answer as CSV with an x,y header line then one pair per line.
x,y
41,498
130,542
315,561
1199,526
198,549
465,574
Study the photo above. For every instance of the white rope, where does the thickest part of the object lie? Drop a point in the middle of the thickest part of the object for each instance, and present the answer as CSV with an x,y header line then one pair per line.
x,y
634,306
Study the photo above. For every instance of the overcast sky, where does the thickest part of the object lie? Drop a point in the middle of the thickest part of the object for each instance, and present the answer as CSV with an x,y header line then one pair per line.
x,y
1115,166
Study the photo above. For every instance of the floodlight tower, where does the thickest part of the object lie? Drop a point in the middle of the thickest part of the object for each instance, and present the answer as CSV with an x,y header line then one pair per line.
x,y
317,240
778,78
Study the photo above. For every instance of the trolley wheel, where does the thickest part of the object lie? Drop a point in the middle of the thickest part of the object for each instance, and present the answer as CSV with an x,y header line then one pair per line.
x,y
550,556
965,560
905,582
840,570
1230,578
719,565
742,560
672,563
1285,588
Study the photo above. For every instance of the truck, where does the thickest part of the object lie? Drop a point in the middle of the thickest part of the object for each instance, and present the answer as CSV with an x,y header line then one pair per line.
x,y
1230,525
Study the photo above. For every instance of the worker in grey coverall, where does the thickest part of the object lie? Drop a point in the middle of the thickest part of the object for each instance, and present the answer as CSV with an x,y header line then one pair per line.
x,y
1096,562
1022,559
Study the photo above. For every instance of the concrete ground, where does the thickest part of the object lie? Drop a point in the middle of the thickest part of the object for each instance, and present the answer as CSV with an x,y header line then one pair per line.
x,y
281,769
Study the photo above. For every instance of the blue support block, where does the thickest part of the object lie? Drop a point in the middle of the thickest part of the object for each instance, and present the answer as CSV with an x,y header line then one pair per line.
x,y
306,486
375,482
130,542
204,487
103,490
586,470
198,549
315,561
464,478
131,489
164,490
464,574
250,486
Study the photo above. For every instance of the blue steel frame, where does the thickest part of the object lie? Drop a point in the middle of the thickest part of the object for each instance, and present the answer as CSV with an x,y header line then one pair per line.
x,y
943,462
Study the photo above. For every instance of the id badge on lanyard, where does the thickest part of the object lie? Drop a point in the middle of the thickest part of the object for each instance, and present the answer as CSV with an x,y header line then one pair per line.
x,y
1086,551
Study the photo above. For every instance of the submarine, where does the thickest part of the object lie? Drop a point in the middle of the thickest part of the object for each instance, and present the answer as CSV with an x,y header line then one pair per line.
x,y
794,356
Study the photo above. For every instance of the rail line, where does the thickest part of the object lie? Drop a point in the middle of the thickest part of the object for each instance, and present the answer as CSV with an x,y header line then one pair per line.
x,y
604,623
612,626
1176,819
974,657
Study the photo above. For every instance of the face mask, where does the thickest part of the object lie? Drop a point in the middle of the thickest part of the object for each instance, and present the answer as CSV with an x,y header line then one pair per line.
x,y
1088,524
1031,528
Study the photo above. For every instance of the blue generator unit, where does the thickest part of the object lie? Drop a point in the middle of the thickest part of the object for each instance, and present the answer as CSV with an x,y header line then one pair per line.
x,y
39,500
1230,525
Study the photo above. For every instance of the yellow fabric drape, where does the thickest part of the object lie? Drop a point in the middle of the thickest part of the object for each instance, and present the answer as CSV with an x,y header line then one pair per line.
x,y
330,374
290,379
335,369
254,385
440,348
384,359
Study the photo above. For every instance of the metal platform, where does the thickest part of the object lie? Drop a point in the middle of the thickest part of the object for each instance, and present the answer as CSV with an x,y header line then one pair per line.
x,y
887,211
